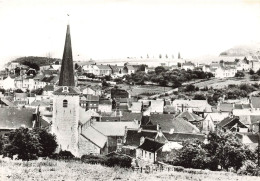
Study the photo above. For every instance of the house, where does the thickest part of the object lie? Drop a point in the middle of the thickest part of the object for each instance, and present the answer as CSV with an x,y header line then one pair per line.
x,y
7,83
192,118
93,90
136,107
13,118
255,101
168,109
225,107
188,66
156,106
224,71
243,65
129,69
198,106
114,131
207,125
37,81
149,150
48,90
92,142
216,117
249,139
168,123
232,123
105,105
90,102
255,65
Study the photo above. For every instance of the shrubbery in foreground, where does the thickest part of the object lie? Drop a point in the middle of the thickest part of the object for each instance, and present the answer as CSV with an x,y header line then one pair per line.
x,y
29,144
111,161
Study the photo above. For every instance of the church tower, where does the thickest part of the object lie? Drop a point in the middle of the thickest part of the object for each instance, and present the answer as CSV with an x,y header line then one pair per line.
x,y
66,103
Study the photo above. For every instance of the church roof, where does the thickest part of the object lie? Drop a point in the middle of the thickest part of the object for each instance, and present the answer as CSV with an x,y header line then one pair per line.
x,y
67,70
71,91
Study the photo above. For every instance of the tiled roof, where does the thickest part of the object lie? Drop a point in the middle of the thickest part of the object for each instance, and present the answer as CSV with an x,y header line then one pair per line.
x,y
133,136
225,107
151,145
94,136
90,97
6,102
254,119
44,102
179,137
127,116
72,90
105,101
145,120
103,67
167,122
255,102
226,121
20,95
113,128
13,118
47,79
189,116
48,88
110,118
169,109
85,116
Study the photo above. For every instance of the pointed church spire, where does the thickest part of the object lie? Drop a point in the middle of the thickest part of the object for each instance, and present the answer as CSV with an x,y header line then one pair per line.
x,y
67,68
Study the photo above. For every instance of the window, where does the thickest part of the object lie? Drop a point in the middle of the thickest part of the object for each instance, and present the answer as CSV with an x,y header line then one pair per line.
x,y
65,103
150,155
119,141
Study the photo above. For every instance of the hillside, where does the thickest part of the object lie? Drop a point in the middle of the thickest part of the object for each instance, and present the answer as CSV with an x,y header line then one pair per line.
x,y
76,170
243,50
40,61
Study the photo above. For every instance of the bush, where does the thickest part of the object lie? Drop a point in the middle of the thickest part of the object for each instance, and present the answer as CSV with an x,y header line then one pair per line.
x,y
29,144
115,160
92,159
121,161
249,168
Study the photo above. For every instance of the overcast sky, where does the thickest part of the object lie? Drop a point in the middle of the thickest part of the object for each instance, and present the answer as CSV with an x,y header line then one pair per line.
x,y
121,28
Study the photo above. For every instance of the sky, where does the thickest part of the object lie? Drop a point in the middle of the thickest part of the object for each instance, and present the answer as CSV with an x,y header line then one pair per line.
x,y
105,29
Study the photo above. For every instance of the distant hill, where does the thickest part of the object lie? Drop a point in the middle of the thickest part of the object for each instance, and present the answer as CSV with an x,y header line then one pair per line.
x,y
40,61
243,50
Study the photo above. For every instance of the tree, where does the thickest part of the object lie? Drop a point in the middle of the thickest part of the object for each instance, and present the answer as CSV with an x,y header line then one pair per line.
x,y
199,97
29,144
166,56
18,91
159,70
228,150
254,77
240,74
47,141
251,72
24,143
160,55
190,88
38,91
76,66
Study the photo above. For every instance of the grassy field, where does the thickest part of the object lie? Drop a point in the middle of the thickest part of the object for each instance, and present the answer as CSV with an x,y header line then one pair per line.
x,y
60,170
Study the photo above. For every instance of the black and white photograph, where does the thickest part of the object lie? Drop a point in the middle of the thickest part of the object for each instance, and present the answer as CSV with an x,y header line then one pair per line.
x,y
130,90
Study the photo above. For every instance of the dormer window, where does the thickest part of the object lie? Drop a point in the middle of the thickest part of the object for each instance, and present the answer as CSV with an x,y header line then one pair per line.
x,y
65,103
65,89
